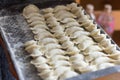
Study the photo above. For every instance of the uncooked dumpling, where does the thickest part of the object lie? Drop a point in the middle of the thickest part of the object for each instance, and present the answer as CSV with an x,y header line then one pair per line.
x,y
35,18
66,20
48,10
54,52
105,65
68,74
59,63
60,7
85,44
38,60
29,10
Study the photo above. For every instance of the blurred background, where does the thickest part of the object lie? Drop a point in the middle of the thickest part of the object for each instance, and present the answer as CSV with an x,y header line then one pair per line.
x,y
109,13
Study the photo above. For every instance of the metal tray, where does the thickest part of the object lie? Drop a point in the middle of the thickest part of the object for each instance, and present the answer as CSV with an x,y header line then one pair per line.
x,y
15,32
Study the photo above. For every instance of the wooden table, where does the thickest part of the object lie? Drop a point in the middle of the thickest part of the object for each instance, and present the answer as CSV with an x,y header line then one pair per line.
x,y
11,67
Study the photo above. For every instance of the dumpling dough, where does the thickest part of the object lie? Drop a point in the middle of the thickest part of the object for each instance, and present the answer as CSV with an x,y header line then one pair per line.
x,y
59,63
93,48
67,20
38,60
81,38
73,29
29,10
50,46
48,40
39,26
34,23
94,55
60,7
48,10
35,18
67,44
54,52
77,57
71,24
79,33
105,65
85,44
68,74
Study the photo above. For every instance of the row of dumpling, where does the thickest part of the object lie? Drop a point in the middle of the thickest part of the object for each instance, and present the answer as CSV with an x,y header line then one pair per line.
x,y
54,64
101,53
76,58
81,38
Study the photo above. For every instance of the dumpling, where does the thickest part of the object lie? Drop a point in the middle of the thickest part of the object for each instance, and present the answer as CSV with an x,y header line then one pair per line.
x,y
28,43
95,32
64,13
100,37
36,53
32,15
71,24
29,10
81,38
37,31
60,7
45,35
47,75
91,27
63,16
48,40
67,20
105,42
52,23
39,26
59,57
48,10
105,65
94,55
89,68
79,12
79,64
101,60
59,63
36,23
93,48
85,44
57,29
115,55
35,18
68,74
48,15
83,19
79,33
50,46
42,67
110,49
67,44
77,57
54,52
73,50
30,48
60,70
87,23
73,29
72,5
38,60
64,38
52,18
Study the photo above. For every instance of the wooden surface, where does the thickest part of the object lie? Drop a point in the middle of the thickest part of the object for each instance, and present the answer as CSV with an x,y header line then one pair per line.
x,y
11,67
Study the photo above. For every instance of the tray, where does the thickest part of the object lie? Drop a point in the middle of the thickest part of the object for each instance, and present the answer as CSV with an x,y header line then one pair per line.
x,y
15,32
